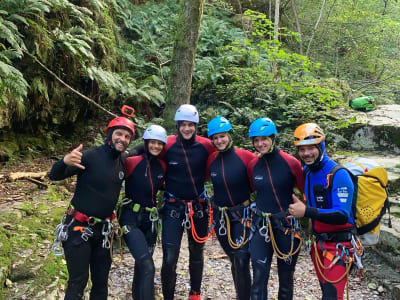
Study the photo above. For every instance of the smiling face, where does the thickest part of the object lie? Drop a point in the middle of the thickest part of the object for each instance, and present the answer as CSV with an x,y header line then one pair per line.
x,y
220,140
262,144
121,139
155,147
187,129
308,154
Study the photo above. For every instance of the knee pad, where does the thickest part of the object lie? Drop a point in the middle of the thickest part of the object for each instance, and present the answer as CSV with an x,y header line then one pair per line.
x,y
145,266
242,263
170,256
329,291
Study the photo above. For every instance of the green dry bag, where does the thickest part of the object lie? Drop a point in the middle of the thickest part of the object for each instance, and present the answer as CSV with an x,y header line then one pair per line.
x,y
366,103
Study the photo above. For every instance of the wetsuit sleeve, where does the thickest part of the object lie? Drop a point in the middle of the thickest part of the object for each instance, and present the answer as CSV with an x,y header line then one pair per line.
x,y
245,155
138,150
131,163
341,197
250,168
170,141
296,170
60,170
210,160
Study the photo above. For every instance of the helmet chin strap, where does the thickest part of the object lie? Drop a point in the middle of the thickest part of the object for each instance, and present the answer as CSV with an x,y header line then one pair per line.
x,y
229,146
316,165
271,149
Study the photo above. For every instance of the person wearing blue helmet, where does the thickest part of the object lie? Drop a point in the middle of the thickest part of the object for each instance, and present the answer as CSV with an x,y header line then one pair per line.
x,y
139,214
273,175
186,205
228,171
330,211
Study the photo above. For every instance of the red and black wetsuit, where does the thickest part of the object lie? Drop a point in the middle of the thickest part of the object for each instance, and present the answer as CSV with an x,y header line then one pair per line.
x,y
145,174
228,172
273,176
96,195
186,169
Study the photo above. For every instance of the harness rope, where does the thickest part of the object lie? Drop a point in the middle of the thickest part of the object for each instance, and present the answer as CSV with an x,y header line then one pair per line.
x,y
196,237
348,262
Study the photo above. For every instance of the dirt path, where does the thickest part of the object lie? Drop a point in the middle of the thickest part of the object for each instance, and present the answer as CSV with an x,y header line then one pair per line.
x,y
217,282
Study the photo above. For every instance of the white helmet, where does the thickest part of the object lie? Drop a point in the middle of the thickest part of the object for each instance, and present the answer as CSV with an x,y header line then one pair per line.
x,y
155,132
187,112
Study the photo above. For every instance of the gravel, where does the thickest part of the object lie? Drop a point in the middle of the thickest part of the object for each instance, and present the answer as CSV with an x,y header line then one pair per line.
x,y
217,279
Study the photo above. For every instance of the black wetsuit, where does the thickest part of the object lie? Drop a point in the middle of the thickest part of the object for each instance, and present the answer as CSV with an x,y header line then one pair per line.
x,y
273,176
186,169
228,172
145,174
97,190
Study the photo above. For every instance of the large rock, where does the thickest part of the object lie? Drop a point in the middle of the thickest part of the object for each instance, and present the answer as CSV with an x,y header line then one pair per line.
x,y
376,130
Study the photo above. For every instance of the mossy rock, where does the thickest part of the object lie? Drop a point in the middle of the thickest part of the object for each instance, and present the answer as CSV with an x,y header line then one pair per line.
x,y
5,258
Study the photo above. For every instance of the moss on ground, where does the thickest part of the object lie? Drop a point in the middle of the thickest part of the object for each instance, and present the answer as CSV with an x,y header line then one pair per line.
x,y
26,238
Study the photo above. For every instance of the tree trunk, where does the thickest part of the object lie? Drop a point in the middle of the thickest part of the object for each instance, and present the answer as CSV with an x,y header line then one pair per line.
x,y
182,65
297,25
276,20
315,27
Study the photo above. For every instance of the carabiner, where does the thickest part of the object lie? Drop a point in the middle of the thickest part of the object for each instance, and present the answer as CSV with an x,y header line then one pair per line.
x,y
57,249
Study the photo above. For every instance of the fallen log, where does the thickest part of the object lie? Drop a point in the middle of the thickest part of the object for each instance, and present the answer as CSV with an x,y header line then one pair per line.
x,y
24,175
39,183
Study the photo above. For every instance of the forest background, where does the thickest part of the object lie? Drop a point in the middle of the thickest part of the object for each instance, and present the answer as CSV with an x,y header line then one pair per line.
x,y
290,60
66,67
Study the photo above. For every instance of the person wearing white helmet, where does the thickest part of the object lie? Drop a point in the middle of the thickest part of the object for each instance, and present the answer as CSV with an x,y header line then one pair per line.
x,y
185,201
139,214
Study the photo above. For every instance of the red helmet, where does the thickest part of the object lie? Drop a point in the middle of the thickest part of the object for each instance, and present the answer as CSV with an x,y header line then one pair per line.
x,y
122,122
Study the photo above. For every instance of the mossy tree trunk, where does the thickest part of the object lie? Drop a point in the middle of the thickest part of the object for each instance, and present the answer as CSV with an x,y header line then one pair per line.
x,y
182,65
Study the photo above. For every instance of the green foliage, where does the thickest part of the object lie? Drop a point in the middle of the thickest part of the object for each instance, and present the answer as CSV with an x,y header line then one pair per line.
x,y
357,41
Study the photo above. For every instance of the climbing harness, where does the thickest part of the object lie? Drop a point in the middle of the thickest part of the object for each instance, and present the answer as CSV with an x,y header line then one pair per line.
x,y
224,219
193,209
267,232
343,253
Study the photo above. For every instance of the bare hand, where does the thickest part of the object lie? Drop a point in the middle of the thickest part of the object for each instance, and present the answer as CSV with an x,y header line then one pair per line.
x,y
74,158
298,208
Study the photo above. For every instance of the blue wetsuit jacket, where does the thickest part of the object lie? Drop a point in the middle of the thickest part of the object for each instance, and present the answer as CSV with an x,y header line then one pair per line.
x,y
331,212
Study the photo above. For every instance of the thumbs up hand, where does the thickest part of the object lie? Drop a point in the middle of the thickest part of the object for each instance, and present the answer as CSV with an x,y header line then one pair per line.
x,y
74,158
298,208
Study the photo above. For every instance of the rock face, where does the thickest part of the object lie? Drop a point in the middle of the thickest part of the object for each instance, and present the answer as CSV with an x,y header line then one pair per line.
x,y
376,130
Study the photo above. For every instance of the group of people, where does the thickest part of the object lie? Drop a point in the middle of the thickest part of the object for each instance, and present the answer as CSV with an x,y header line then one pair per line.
x,y
247,230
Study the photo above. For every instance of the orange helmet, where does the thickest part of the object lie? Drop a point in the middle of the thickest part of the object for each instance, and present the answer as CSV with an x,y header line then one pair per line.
x,y
308,134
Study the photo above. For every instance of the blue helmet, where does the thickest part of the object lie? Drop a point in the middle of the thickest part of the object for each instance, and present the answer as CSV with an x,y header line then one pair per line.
x,y
262,127
218,125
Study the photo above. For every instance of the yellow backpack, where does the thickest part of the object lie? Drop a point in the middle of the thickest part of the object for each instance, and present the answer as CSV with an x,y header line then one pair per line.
x,y
370,198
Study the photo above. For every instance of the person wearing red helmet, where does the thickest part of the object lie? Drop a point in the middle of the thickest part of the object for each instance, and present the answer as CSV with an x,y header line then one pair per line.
x,y
87,227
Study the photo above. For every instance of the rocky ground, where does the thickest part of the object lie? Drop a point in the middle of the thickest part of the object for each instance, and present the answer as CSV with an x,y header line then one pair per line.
x,y
217,283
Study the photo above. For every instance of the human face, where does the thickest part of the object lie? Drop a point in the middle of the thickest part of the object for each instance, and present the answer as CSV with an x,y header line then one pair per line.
x,y
155,147
220,140
262,144
187,129
308,154
121,139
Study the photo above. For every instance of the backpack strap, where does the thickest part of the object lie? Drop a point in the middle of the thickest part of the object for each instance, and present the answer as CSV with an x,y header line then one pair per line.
x,y
331,174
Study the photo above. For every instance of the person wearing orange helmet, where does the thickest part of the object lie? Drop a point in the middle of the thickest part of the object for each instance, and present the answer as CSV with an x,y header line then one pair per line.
x,y
329,208
87,226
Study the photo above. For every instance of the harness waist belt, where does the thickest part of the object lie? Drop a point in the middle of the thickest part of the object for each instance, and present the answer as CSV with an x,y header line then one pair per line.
x,y
260,213
343,236
81,217
236,207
